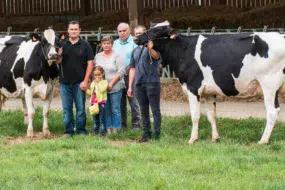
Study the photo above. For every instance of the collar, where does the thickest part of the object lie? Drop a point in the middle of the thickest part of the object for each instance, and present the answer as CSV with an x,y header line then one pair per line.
x,y
130,38
78,42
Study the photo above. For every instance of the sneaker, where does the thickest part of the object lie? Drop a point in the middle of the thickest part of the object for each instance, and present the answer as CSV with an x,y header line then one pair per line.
x,y
136,128
156,137
95,133
144,139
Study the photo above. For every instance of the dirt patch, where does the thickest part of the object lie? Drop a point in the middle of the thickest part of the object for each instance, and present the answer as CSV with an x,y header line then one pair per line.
x,y
37,137
121,143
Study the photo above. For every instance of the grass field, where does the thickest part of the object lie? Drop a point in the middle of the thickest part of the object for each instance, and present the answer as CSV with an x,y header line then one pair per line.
x,y
118,162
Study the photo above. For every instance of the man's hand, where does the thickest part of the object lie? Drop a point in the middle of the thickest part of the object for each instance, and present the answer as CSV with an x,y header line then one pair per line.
x,y
130,92
59,52
150,45
59,58
83,86
128,69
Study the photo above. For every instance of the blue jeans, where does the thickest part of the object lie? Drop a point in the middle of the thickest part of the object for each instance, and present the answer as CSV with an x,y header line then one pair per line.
x,y
69,94
113,110
99,120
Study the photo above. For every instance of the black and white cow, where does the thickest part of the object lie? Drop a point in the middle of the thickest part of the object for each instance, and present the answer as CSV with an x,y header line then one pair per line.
x,y
27,70
207,65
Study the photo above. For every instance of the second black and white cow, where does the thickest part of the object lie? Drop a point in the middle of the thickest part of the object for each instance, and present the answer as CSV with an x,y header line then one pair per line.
x,y
27,69
208,65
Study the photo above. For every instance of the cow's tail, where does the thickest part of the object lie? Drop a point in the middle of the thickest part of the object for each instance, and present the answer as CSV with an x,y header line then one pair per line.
x,y
2,100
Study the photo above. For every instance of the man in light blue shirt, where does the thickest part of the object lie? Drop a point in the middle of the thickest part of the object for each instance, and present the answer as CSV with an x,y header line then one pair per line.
x,y
125,46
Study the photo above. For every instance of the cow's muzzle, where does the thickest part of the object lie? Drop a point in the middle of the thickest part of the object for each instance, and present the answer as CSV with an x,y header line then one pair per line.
x,y
52,56
136,40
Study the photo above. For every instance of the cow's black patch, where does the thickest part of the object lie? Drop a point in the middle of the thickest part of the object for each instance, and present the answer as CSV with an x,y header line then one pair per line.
x,y
35,65
224,55
259,47
19,68
276,100
179,55
7,59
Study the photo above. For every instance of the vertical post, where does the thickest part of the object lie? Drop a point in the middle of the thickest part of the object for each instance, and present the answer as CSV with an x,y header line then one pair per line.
x,y
84,8
1,12
135,13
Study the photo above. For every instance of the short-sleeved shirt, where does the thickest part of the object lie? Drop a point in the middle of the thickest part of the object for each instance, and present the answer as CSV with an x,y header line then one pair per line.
x,y
74,61
125,49
145,71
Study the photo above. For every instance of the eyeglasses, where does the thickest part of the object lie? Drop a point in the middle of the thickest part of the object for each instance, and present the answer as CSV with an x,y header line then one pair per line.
x,y
97,75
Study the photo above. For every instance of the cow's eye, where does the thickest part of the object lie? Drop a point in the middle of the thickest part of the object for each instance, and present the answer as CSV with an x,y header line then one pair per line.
x,y
44,41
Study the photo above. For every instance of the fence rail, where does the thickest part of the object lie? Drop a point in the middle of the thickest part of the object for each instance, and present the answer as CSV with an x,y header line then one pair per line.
x,y
92,36
55,7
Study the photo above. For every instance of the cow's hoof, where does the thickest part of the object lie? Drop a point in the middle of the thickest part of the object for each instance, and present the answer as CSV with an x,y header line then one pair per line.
x,y
192,140
30,134
215,139
263,142
46,132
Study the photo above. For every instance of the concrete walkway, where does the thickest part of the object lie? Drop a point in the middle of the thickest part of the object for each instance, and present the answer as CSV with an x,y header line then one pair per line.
x,y
224,109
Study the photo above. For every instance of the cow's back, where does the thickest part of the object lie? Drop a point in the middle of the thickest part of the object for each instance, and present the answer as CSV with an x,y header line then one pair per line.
x,y
14,51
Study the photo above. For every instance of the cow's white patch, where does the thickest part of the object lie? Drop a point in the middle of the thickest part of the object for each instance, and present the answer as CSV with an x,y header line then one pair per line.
x,y
268,71
3,41
209,84
165,23
50,37
25,51
184,88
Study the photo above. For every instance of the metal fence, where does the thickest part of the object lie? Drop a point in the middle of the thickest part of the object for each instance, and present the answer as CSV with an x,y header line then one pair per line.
x,y
93,36
57,7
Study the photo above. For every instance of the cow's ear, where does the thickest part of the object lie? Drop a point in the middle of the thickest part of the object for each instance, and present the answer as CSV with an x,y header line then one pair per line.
x,y
63,36
35,37
173,34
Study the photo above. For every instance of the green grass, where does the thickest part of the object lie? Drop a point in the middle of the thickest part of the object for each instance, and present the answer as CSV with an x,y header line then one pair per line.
x,y
88,162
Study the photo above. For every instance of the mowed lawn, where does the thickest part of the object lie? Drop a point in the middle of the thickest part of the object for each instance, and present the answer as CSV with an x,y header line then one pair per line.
x,y
89,162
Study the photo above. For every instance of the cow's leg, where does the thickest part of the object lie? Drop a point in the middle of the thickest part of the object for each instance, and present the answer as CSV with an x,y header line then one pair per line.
x,y
195,116
211,114
46,106
25,110
31,111
272,110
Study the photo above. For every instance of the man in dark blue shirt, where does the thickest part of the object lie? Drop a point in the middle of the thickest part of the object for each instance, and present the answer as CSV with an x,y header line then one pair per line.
x,y
76,66
144,74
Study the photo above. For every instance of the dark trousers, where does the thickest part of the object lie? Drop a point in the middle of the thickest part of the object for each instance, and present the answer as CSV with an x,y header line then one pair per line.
x,y
135,108
148,94
99,121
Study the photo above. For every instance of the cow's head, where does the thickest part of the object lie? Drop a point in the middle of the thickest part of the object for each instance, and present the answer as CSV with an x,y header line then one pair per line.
x,y
44,54
49,44
158,31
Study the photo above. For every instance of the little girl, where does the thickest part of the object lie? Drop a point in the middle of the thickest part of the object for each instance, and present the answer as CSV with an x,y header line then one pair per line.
x,y
98,93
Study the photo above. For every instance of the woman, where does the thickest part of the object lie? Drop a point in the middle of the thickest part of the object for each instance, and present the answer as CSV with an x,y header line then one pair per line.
x,y
113,66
